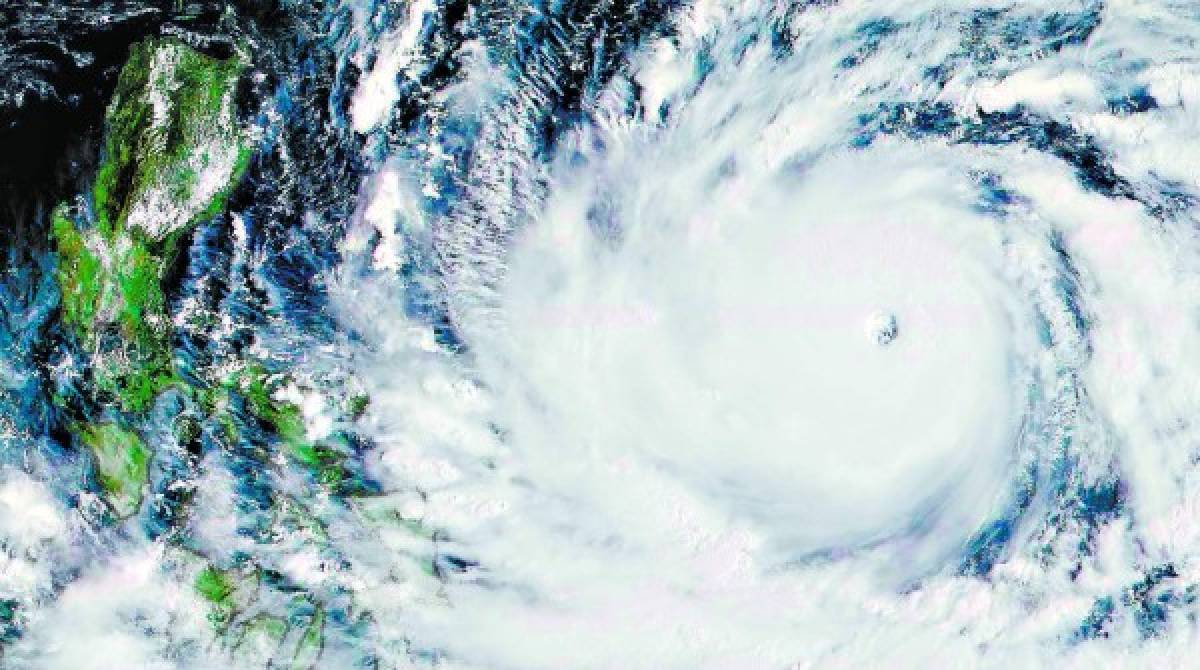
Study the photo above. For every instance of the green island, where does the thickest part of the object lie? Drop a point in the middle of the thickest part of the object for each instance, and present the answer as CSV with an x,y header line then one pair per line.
x,y
172,154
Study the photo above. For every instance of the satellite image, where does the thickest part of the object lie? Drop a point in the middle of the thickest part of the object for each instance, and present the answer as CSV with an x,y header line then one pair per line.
x,y
599,334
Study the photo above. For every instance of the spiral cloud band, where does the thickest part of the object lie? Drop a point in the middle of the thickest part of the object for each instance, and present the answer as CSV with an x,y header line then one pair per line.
x,y
861,336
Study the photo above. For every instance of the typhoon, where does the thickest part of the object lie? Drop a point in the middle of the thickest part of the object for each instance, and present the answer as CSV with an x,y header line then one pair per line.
x,y
514,334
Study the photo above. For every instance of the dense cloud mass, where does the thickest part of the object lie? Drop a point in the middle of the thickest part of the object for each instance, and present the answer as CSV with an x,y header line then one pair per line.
x,y
363,334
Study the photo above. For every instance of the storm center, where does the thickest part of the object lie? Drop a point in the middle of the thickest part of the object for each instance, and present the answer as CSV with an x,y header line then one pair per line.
x,y
882,327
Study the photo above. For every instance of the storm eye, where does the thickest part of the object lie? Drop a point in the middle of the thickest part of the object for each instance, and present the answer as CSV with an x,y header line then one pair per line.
x,y
882,328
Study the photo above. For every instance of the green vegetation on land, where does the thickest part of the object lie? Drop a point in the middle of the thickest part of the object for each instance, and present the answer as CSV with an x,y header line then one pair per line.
x,y
121,460
232,601
258,387
214,585
172,154
262,630
308,648
172,115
